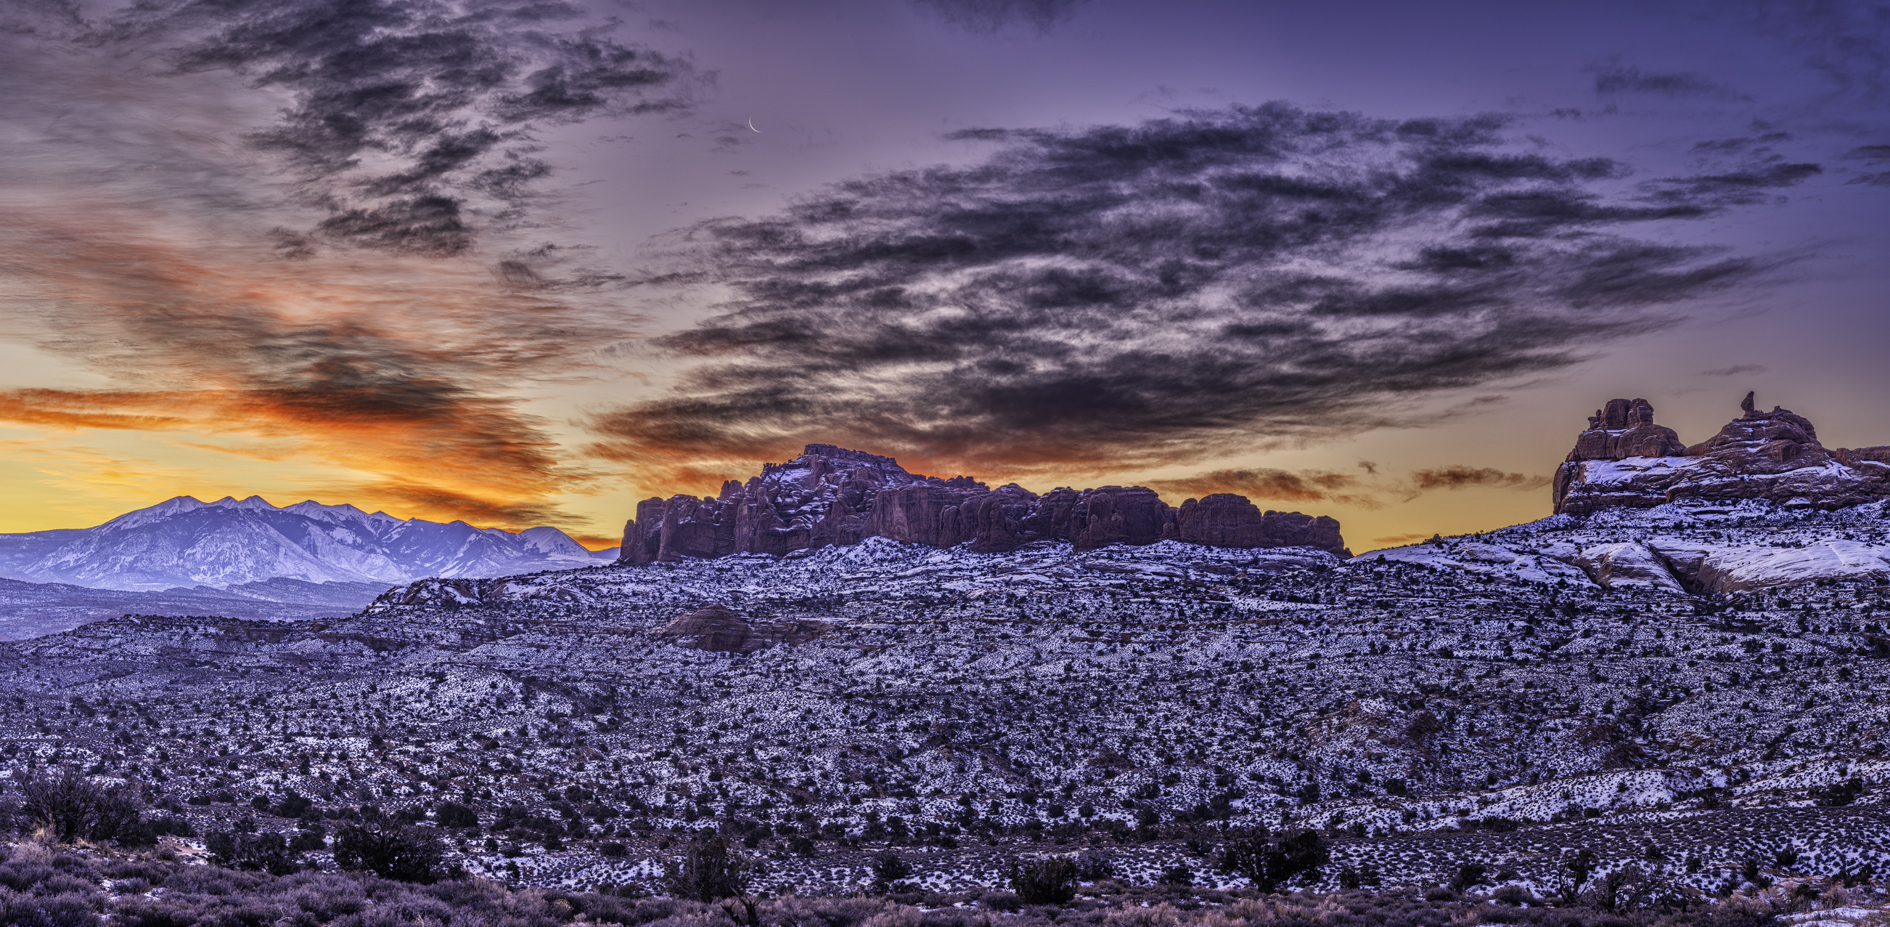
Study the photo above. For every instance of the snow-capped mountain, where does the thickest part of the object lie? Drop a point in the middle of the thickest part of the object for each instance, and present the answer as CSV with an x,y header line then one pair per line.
x,y
184,542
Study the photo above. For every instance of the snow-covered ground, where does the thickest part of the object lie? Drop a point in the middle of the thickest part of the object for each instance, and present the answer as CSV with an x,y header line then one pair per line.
x,y
1497,699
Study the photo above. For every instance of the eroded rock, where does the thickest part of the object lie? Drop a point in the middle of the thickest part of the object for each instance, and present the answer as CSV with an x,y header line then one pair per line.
x,y
833,496
1625,460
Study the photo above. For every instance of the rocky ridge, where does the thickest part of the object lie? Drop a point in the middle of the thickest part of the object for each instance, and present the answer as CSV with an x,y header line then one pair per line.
x,y
1626,460
831,496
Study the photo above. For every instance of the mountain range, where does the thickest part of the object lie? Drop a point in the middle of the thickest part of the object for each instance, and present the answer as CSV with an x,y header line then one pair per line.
x,y
248,557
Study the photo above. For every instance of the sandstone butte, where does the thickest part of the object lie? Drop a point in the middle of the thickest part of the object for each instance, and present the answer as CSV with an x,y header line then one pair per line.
x,y
1624,459
833,496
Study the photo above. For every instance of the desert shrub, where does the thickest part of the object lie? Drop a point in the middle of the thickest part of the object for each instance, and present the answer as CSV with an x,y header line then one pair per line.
x,y
1001,901
829,912
71,807
1469,875
710,870
1051,880
1092,867
1271,862
153,912
292,805
262,852
118,870
35,874
66,909
1162,915
454,814
404,854
889,871
209,880
327,897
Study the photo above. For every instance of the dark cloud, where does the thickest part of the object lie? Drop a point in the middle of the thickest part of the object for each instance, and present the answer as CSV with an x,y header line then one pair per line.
x,y
1874,155
1617,80
1263,484
993,16
1135,295
1734,370
412,123
1462,477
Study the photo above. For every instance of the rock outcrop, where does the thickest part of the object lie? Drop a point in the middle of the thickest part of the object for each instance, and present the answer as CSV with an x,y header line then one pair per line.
x,y
1625,460
716,629
1227,520
832,496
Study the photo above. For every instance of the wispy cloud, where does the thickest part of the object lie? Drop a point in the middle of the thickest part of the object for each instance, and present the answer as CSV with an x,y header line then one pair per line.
x,y
1262,484
1614,80
1462,477
994,16
1179,289
1734,370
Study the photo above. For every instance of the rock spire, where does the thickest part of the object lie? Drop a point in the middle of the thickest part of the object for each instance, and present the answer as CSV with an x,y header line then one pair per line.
x,y
1623,459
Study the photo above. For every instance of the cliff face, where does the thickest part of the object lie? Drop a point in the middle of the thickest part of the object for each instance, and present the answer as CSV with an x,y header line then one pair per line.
x,y
1625,460
833,496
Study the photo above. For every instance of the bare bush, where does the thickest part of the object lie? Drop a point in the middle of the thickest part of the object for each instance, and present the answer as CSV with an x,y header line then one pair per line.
x,y
710,870
70,806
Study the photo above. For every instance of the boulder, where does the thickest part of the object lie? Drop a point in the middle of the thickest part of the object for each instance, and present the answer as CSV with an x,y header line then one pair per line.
x,y
714,629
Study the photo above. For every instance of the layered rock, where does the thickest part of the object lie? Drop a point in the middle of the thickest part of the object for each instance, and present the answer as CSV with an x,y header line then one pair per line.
x,y
716,629
1625,428
1227,520
1625,460
832,496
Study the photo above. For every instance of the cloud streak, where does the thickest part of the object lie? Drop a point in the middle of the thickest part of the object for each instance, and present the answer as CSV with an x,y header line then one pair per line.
x,y
1140,295
1264,484
1462,477
1615,80
990,17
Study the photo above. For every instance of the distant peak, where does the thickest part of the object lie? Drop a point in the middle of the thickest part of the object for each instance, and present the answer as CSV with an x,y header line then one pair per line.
x,y
253,503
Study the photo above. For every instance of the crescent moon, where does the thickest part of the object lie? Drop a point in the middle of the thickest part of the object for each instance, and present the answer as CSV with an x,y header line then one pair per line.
x,y
751,126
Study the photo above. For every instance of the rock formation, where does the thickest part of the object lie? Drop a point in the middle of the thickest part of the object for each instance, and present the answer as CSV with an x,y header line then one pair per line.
x,y
1625,460
716,629
832,496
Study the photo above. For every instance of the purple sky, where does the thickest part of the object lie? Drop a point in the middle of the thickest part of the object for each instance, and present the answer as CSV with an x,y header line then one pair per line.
x,y
525,262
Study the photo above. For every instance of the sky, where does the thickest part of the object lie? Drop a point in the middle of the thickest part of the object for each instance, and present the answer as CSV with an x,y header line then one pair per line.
x,y
526,262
